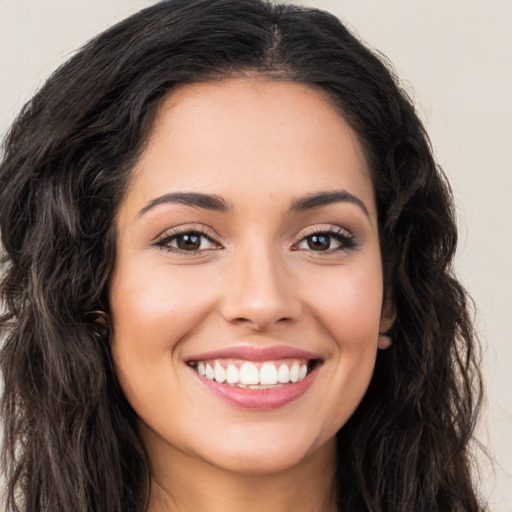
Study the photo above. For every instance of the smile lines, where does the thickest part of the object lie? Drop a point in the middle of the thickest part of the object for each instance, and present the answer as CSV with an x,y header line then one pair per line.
x,y
264,375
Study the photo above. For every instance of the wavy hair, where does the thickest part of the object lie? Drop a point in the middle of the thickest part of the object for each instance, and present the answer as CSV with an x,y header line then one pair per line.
x,y
70,438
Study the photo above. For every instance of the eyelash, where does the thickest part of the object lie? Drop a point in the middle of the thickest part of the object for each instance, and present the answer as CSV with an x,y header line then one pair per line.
x,y
343,237
165,241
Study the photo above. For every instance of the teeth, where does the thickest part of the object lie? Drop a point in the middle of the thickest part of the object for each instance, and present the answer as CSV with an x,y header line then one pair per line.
x,y
283,374
269,375
220,373
249,374
294,372
209,372
233,375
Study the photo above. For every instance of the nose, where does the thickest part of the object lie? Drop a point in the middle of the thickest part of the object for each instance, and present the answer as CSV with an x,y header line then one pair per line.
x,y
261,293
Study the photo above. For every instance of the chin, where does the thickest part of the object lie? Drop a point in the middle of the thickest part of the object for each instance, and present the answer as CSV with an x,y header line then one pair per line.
x,y
260,462
268,454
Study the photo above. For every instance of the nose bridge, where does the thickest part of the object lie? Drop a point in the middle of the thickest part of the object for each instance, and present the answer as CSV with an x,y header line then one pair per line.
x,y
260,290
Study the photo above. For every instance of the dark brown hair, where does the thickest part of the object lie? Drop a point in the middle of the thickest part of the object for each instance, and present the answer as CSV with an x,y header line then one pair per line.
x,y
70,440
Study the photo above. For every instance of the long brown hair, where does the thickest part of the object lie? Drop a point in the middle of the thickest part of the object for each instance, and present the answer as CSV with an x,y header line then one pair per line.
x,y
70,440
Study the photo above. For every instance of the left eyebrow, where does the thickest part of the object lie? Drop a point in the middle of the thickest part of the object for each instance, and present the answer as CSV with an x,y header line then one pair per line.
x,y
206,201
319,199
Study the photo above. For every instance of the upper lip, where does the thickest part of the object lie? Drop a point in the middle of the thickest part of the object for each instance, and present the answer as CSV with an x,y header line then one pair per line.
x,y
251,353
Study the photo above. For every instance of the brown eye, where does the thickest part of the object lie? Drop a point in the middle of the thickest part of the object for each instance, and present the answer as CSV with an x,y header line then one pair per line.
x,y
329,241
188,242
321,242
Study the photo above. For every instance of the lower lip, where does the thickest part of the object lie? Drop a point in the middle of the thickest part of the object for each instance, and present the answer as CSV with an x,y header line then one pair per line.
x,y
259,399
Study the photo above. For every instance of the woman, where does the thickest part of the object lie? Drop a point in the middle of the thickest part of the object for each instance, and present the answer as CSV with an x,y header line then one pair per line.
x,y
228,277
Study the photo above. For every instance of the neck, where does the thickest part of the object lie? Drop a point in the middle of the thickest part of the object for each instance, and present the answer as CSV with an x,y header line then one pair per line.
x,y
185,484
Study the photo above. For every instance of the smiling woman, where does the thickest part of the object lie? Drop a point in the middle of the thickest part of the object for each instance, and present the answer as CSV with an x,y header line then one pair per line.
x,y
228,277
275,273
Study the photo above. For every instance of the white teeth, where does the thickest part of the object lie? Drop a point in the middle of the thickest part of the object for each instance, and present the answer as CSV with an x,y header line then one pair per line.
x,y
249,374
220,373
268,374
294,372
232,374
209,372
283,374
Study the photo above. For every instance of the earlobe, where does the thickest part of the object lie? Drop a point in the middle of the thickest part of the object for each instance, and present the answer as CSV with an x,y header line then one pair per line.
x,y
384,342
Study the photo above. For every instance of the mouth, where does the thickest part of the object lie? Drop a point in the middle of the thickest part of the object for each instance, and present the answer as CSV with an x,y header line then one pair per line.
x,y
255,374
256,378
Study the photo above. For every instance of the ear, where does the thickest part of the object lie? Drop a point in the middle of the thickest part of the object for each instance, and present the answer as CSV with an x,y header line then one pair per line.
x,y
100,322
387,320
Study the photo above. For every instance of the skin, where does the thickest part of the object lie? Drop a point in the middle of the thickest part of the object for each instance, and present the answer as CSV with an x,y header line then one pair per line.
x,y
259,145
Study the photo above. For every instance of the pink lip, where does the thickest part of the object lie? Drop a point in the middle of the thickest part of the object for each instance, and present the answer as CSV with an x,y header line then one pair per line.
x,y
256,353
259,399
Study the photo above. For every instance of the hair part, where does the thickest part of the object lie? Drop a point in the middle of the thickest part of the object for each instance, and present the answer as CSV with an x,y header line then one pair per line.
x,y
70,437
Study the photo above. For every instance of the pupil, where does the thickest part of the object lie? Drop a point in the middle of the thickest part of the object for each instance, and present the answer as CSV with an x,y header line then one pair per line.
x,y
319,242
189,242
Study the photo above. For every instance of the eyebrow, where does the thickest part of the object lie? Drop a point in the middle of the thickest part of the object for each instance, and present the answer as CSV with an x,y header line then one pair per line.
x,y
218,204
206,201
319,199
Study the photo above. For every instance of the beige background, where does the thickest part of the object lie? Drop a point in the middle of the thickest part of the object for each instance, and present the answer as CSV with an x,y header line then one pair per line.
x,y
455,59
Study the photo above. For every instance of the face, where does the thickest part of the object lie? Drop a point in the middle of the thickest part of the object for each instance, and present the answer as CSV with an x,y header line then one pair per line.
x,y
247,292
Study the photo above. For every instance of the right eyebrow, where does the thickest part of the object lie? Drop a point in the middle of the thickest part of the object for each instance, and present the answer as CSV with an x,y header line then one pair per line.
x,y
206,201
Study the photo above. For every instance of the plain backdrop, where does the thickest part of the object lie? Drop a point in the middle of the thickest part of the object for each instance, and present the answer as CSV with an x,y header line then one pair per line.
x,y
454,57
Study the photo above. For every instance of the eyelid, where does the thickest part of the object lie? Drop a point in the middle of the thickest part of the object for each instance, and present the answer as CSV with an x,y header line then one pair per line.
x,y
348,238
185,228
325,228
164,238
345,237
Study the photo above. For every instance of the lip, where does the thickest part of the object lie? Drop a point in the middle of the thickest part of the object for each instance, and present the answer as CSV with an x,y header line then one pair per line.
x,y
248,353
259,399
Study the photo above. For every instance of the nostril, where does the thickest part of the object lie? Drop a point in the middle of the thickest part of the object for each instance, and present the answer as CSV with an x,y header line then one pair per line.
x,y
240,320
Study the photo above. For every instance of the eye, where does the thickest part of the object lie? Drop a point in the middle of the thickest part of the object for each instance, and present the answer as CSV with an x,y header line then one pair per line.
x,y
326,240
191,241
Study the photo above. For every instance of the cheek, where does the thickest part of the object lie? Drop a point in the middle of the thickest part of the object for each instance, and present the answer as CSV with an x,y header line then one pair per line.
x,y
157,307
153,313
348,305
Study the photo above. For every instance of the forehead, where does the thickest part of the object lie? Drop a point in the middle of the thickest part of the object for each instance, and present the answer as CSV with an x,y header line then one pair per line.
x,y
249,138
